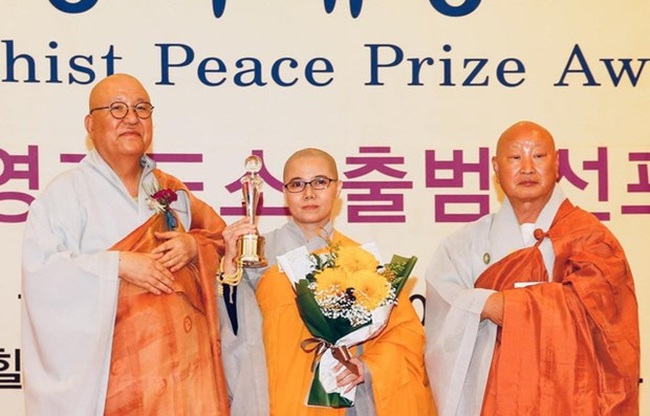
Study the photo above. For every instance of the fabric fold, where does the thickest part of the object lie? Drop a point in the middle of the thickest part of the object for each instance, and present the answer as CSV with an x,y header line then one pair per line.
x,y
166,354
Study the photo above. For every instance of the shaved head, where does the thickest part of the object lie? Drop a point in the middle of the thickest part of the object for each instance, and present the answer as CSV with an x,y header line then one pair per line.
x,y
121,142
311,153
104,89
527,167
523,129
311,208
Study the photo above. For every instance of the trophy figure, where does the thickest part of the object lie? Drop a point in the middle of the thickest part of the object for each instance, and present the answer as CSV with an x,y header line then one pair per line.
x,y
250,247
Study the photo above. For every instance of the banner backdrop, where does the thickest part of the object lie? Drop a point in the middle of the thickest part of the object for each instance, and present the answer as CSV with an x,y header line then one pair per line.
x,y
409,96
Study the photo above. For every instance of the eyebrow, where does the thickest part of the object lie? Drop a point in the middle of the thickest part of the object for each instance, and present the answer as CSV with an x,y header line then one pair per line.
x,y
300,178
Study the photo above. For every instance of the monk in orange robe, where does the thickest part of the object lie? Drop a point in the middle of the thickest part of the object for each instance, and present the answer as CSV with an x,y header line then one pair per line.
x,y
587,356
547,297
119,305
390,376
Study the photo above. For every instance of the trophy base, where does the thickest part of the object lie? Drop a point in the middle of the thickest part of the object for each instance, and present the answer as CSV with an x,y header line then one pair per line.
x,y
251,247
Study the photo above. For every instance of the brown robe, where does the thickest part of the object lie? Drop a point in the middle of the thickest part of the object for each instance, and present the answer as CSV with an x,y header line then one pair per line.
x,y
570,347
166,355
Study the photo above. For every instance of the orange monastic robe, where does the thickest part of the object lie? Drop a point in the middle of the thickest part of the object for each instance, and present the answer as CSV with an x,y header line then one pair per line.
x,y
395,359
570,347
166,355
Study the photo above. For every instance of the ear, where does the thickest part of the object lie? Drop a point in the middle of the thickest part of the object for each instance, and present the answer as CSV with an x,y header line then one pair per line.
x,y
495,167
339,186
88,123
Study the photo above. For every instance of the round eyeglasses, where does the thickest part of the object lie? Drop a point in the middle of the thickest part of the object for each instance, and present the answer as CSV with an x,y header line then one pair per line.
x,y
318,183
119,110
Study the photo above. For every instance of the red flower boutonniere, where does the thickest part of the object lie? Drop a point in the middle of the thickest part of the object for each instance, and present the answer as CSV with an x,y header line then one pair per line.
x,y
160,202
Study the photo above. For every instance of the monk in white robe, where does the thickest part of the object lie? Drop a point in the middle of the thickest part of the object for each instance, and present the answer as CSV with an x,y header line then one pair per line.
x,y
532,310
459,344
83,264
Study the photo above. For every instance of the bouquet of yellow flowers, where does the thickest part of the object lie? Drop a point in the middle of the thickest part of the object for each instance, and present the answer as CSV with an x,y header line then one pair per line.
x,y
344,297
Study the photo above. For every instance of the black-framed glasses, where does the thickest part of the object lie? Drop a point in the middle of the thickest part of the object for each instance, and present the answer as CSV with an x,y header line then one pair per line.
x,y
119,110
318,183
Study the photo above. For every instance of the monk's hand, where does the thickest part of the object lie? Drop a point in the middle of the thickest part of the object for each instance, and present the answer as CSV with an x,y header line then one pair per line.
x,y
230,235
177,250
493,308
347,377
143,270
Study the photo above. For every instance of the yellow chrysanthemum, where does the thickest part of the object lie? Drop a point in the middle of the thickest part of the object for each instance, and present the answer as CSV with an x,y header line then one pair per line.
x,y
370,288
353,259
329,279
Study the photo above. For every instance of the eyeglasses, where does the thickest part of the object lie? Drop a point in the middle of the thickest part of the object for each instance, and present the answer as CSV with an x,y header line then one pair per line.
x,y
119,110
318,184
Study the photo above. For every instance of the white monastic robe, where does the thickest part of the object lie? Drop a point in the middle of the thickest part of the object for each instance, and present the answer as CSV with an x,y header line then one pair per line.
x,y
70,283
459,345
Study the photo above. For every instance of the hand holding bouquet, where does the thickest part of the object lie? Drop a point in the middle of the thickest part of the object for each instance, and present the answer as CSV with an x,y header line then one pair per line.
x,y
345,297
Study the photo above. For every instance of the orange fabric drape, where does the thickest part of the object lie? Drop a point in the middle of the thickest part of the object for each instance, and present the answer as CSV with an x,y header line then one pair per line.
x,y
166,355
571,347
395,359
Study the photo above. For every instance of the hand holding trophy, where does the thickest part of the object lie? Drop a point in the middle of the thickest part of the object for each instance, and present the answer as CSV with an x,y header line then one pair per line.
x,y
250,247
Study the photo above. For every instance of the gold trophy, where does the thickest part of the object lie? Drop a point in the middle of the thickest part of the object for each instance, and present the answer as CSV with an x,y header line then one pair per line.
x,y
250,247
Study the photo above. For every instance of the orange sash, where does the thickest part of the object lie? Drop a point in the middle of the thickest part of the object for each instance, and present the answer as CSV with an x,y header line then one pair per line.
x,y
569,348
166,354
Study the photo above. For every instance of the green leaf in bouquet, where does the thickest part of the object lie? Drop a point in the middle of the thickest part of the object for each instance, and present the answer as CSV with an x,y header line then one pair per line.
x,y
319,397
404,266
329,329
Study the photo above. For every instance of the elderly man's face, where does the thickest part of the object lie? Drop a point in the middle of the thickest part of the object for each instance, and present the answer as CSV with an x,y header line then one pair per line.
x,y
116,139
311,206
526,165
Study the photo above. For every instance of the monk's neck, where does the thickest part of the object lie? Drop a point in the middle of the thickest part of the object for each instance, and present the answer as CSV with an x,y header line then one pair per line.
x,y
527,212
129,174
310,231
